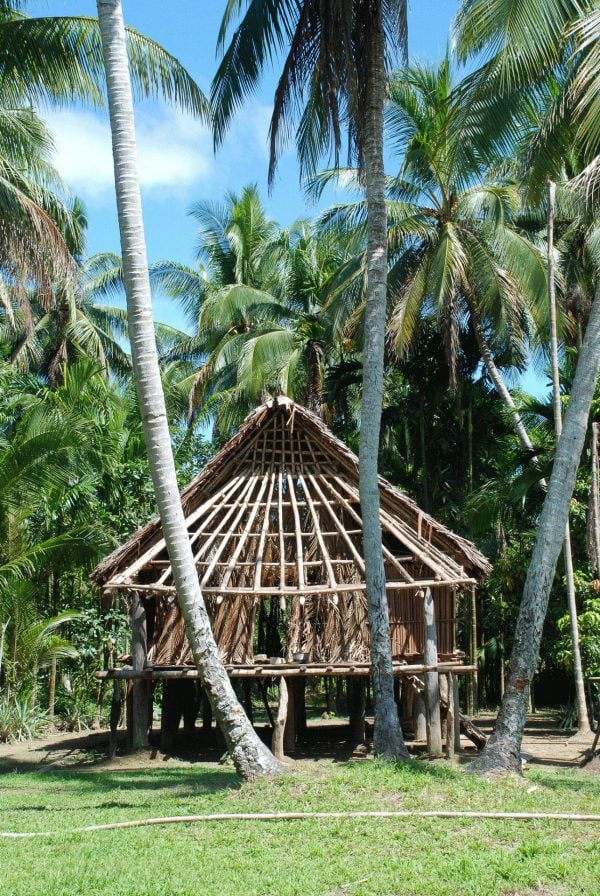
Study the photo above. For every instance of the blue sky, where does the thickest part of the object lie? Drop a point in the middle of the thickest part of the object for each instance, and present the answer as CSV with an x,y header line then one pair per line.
x,y
177,163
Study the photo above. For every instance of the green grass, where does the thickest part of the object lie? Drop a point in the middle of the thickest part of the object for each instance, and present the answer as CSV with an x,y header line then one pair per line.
x,y
401,857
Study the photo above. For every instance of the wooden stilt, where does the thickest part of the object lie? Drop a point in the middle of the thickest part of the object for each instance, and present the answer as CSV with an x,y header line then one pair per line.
x,y
172,710
190,705
432,686
450,719
473,685
457,746
207,714
419,717
356,706
405,706
277,743
289,734
115,716
300,686
139,694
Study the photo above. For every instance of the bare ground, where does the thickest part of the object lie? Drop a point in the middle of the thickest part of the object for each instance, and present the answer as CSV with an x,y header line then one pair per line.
x,y
544,744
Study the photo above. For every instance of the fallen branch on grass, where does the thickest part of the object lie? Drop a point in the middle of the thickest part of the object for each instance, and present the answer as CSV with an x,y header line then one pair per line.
x,y
299,816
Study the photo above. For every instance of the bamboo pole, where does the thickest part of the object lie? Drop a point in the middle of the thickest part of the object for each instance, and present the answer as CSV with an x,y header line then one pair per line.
x,y
304,816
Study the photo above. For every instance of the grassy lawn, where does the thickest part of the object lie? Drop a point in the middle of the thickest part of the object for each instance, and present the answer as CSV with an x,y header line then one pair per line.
x,y
396,857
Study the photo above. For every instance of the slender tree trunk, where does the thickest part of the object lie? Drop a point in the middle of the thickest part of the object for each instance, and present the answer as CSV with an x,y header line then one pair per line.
x,y
52,688
523,436
388,741
473,688
594,508
249,754
315,375
503,751
583,724
497,379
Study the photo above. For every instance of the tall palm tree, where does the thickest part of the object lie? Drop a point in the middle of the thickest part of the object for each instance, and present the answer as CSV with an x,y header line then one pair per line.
x,y
56,60
249,754
583,724
33,209
269,306
335,70
49,59
456,250
516,69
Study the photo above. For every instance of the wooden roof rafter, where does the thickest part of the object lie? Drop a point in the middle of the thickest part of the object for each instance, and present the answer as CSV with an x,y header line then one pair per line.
x,y
280,504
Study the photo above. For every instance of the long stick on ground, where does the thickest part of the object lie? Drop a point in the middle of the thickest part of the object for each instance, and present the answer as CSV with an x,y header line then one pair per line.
x,y
299,816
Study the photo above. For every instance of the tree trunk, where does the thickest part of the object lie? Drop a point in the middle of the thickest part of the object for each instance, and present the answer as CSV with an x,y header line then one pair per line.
x,y
525,441
388,741
583,724
250,756
594,506
52,688
496,378
503,751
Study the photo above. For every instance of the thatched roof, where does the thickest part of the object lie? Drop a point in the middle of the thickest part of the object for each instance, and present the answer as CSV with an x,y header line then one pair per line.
x,y
277,512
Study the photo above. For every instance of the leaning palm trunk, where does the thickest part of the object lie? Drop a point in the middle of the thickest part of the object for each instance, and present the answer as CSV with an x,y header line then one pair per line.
x,y
583,724
527,444
503,751
249,754
388,740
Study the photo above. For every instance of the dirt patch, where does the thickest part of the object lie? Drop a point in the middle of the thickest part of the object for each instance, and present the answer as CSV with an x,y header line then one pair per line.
x,y
555,890
544,743
591,764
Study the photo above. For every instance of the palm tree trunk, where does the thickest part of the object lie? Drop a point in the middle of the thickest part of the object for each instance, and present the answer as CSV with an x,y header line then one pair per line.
x,y
527,444
594,506
496,377
388,740
249,754
583,724
503,751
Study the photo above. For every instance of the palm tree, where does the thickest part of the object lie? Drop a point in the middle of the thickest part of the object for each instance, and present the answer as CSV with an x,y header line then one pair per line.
x,y
46,325
31,643
269,306
335,71
34,212
457,253
564,46
542,57
250,756
58,59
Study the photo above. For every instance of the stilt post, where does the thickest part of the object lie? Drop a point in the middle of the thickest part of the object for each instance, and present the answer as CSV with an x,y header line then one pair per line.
x,y
277,743
450,717
432,683
137,728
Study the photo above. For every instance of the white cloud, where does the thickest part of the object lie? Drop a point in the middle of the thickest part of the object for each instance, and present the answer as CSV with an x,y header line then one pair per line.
x,y
174,151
